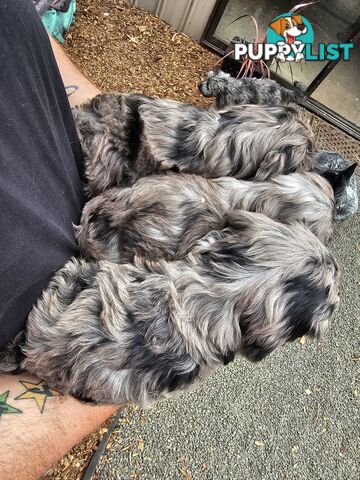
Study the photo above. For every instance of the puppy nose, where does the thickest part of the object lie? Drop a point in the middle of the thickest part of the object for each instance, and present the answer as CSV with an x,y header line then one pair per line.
x,y
301,27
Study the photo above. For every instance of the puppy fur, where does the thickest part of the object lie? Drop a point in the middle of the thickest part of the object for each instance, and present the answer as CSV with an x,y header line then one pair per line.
x,y
115,334
341,175
125,137
162,216
229,91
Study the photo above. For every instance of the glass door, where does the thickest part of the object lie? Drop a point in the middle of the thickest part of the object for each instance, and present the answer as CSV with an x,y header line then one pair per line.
x,y
333,87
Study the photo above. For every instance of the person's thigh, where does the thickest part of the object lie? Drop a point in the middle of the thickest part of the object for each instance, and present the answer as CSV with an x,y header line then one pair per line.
x,y
40,166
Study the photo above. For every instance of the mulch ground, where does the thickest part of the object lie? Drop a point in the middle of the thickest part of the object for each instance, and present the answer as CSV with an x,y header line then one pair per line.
x,y
73,465
123,48
126,49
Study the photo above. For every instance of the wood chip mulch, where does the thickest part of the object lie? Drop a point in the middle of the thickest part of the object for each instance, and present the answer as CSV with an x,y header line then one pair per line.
x,y
126,49
73,465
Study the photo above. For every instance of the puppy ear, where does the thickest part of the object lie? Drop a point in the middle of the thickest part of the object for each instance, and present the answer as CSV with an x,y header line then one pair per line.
x,y
256,352
277,26
339,180
238,220
266,341
274,162
348,173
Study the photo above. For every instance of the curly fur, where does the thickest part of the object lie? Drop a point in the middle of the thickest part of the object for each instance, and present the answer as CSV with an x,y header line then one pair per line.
x,y
340,174
229,91
125,137
110,333
162,216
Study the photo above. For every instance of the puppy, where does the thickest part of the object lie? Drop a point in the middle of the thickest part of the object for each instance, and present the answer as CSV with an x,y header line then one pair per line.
x,y
125,137
231,91
340,174
113,334
162,216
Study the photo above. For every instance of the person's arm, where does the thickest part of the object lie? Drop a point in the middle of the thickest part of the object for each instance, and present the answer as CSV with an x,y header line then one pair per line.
x,y
38,426
78,88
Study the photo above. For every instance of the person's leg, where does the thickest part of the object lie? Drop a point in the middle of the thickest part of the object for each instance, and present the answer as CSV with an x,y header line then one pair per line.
x,y
37,426
40,199
78,88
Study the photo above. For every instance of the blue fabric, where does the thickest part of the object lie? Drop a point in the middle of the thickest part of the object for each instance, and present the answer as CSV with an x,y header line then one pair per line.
x,y
58,23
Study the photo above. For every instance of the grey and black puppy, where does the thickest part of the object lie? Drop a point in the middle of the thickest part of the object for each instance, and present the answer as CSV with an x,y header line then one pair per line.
x,y
125,137
113,334
162,216
229,91
340,174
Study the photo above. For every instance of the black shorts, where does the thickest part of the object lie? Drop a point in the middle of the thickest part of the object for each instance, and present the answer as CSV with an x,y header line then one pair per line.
x,y
40,166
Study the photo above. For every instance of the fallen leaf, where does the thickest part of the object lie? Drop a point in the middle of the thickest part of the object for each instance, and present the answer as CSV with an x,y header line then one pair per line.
x,y
133,39
186,474
302,340
141,445
259,444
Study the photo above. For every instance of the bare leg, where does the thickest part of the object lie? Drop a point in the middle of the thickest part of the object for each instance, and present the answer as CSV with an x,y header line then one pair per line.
x,y
38,426
78,88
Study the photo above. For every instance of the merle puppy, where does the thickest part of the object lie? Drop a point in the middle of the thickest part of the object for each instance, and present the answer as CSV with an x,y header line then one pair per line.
x,y
162,216
125,137
108,333
340,174
229,91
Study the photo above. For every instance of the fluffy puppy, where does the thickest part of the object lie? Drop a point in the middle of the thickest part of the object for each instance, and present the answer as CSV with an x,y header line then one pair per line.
x,y
162,216
340,174
125,137
228,90
110,333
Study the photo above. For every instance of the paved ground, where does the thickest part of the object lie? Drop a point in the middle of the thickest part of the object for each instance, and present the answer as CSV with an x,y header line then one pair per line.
x,y
293,416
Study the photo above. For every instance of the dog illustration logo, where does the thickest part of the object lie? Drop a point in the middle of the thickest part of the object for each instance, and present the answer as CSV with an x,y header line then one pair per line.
x,y
291,38
290,30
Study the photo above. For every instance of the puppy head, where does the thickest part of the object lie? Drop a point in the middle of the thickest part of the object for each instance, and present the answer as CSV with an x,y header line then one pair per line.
x,y
301,305
282,279
214,84
345,196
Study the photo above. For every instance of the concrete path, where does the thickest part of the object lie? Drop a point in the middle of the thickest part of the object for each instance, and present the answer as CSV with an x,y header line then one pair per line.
x,y
293,416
